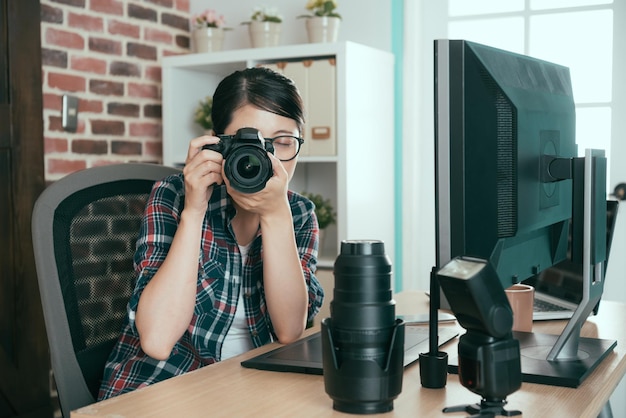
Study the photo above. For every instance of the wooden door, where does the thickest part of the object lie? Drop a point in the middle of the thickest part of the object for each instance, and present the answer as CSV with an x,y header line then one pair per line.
x,y
24,357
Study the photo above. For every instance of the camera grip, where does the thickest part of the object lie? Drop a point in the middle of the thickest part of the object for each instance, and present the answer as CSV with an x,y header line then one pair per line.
x,y
213,147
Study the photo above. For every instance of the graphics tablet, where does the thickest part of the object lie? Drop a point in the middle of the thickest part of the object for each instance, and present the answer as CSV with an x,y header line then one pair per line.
x,y
305,355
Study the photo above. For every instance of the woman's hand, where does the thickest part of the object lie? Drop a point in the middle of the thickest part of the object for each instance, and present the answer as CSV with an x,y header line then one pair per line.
x,y
272,199
203,169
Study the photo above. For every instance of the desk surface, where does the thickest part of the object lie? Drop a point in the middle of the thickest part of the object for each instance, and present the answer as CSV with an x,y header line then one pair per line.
x,y
228,390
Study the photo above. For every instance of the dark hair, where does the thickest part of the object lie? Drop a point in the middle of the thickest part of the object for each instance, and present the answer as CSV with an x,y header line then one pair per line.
x,y
260,87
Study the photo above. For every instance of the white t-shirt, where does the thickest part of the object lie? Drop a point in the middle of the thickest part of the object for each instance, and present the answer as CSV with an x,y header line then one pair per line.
x,y
238,339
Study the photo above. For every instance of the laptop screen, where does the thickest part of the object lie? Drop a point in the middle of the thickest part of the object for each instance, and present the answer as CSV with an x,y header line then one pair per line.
x,y
565,279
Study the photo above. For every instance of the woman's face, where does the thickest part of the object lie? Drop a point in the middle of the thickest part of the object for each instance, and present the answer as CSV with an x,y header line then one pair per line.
x,y
270,124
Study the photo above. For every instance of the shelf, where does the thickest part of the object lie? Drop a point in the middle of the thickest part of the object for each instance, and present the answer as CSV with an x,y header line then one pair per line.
x,y
320,159
325,263
359,179
231,60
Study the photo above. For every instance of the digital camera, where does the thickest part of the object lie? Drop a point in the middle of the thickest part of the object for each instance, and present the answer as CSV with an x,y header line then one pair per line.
x,y
247,167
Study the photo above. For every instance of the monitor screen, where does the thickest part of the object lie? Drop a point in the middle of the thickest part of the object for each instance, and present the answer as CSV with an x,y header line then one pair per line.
x,y
500,120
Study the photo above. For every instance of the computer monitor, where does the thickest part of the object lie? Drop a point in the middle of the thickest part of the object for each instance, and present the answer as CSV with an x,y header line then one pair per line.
x,y
508,180
498,115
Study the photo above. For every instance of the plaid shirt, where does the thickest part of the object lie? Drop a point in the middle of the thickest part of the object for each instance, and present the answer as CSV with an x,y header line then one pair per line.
x,y
221,277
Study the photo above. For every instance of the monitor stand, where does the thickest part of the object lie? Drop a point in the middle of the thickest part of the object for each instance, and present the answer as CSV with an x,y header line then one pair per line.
x,y
568,372
567,359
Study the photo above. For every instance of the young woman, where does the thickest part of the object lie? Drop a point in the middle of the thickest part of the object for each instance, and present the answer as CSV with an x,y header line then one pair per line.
x,y
219,271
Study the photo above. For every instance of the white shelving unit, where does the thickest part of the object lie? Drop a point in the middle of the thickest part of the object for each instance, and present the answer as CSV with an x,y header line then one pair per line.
x,y
359,179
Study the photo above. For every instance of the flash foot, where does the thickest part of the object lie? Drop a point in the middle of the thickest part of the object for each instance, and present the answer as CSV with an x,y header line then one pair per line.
x,y
485,409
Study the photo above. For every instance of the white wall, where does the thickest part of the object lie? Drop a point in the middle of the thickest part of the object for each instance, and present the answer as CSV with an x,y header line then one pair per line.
x,y
615,285
364,21
418,214
618,143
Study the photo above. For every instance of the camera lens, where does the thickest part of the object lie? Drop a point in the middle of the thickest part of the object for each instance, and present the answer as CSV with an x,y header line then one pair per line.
x,y
248,168
362,293
362,342
362,310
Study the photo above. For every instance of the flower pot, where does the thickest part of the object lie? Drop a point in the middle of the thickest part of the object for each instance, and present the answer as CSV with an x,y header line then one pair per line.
x,y
208,39
264,34
322,28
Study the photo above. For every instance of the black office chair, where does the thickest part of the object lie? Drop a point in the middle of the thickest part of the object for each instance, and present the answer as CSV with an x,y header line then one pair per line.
x,y
84,229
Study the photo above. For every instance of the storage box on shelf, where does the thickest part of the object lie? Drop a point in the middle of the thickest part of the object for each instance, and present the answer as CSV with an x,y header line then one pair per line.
x,y
348,156
316,79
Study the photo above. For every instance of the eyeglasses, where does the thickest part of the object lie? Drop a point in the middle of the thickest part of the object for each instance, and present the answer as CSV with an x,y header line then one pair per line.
x,y
286,147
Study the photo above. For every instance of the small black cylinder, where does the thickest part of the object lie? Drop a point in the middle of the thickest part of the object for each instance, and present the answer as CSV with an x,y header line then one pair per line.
x,y
362,342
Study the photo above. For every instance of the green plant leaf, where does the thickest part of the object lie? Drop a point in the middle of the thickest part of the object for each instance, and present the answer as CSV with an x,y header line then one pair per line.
x,y
324,210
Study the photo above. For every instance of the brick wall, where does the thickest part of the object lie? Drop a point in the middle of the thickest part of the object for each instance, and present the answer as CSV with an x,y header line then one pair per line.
x,y
107,53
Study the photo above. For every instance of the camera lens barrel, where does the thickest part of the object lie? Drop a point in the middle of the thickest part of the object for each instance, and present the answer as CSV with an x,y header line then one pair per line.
x,y
362,342
362,295
247,166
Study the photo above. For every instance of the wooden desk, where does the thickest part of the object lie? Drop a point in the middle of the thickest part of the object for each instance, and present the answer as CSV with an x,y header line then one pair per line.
x,y
228,390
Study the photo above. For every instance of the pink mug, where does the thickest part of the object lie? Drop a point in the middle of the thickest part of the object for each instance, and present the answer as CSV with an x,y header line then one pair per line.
x,y
521,298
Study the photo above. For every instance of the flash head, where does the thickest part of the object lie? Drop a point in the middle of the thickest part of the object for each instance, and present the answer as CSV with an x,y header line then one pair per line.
x,y
476,296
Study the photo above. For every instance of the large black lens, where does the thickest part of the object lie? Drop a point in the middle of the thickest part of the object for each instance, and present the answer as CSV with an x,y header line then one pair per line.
x,y
248,168
362,342
363,310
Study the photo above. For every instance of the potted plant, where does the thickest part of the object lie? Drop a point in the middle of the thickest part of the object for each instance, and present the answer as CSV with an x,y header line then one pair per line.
x,y
208,31
203,115
266,14
264,27
323,24
324,209
325,213
322,8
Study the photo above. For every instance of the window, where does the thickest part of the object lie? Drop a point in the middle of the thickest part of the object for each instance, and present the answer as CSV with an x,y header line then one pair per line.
x,y
574,33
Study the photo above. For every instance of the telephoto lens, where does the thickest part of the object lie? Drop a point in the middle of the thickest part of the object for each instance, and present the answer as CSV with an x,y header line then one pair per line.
x,y
362,341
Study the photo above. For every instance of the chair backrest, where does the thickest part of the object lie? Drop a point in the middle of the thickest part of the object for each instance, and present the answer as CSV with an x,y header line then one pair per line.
x,y
84,229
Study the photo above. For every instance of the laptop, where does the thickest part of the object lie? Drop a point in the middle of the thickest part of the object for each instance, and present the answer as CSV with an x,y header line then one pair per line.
x,y
305,355
558,289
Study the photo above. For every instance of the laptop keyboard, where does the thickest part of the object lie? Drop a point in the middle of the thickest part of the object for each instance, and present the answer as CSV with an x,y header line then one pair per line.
x,y
543,306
